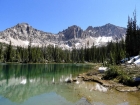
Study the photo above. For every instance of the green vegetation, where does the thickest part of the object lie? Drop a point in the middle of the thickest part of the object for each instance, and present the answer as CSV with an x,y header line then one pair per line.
x,y
112,73
132,41
118,74
111,53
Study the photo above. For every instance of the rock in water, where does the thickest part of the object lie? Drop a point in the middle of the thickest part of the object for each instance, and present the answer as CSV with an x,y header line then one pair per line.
x,y
126,89
83,101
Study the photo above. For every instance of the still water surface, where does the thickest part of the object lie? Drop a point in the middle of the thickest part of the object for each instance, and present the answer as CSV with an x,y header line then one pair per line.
x,y
44,84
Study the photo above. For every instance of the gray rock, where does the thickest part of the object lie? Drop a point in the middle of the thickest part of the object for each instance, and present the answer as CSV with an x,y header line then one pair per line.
x,y
72,32
127,89
83,101
107,30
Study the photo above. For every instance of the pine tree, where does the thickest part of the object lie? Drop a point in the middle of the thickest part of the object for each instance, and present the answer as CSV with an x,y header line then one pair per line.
x,y
81,55
138,40
18,58
128,38
132,37
9,53
1,50
29,51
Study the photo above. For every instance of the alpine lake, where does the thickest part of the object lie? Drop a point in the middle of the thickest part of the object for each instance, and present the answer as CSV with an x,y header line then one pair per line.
x,y
45,84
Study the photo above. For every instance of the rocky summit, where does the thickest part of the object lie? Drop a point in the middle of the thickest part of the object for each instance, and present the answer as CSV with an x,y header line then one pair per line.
x,y
73,36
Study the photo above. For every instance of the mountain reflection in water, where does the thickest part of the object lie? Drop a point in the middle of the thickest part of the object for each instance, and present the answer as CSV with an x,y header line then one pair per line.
x,y
19,82
44,84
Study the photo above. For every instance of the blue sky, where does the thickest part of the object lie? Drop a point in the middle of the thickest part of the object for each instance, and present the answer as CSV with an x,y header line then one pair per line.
x,y
56,15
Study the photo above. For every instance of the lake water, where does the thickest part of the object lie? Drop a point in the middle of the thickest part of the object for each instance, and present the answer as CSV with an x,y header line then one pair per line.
x,y
44,84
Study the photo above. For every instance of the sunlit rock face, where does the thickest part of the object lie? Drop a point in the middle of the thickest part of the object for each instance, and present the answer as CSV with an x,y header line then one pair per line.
x,y
74,36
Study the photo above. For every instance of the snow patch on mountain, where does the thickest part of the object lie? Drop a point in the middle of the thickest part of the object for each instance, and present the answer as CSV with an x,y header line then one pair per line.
x,y
18,42
104,39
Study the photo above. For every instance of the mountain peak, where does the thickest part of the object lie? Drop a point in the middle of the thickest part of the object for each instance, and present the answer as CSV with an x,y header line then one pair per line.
x,y
89,28
22,24
74,26
73,31
109,24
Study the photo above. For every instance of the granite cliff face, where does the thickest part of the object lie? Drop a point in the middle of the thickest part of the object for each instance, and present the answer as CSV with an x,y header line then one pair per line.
x,y
73,36
107,30
72,32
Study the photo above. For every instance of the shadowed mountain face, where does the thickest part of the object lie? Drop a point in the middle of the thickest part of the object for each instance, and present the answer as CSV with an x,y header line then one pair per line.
x,y
73,36
72,32
107,30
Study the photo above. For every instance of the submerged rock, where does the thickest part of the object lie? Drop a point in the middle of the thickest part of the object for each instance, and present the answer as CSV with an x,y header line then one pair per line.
x,y
69,81
83,101
98,79
107,83
139,87
126,89
74,79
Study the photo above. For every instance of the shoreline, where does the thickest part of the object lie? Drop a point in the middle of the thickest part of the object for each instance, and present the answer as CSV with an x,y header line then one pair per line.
x,y
95,76
108,83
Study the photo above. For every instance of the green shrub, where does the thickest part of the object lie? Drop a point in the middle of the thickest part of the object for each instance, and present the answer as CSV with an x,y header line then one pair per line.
x,y
112,73
117,73
126,79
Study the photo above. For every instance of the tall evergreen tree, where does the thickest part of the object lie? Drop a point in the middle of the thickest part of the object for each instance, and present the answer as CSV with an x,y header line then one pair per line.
x,y
29,51
132,37
9,52
129,38
1,51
